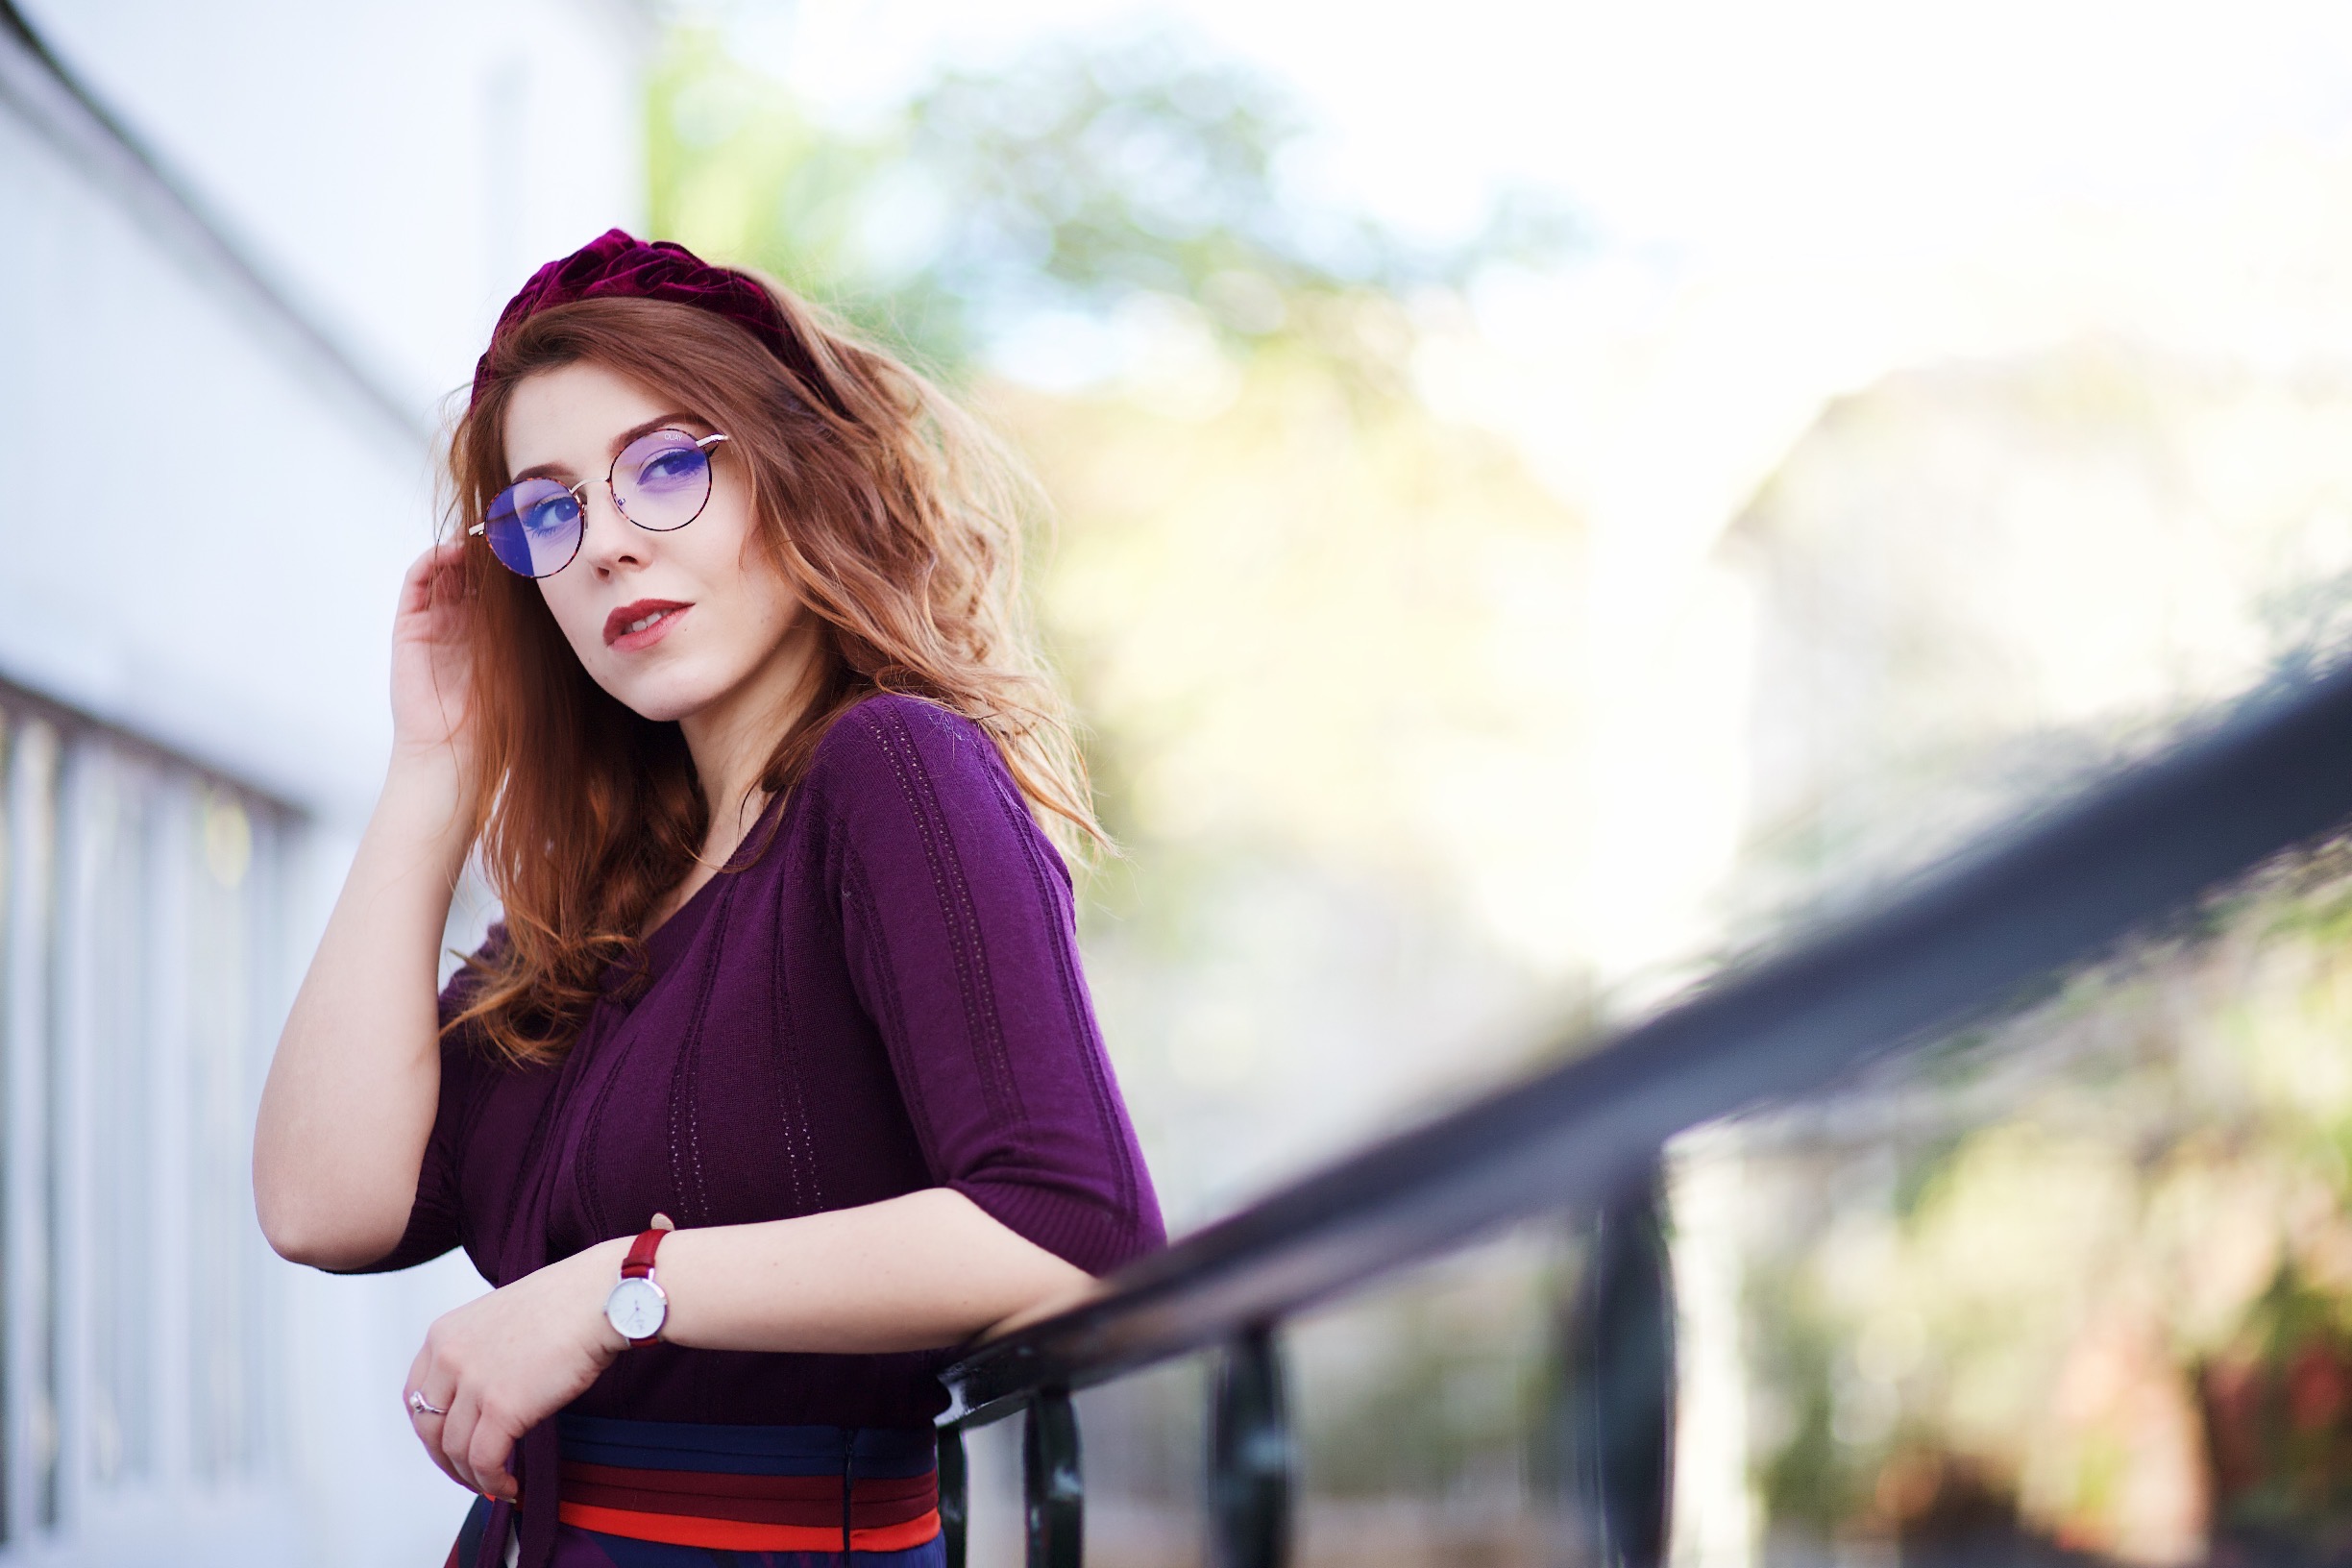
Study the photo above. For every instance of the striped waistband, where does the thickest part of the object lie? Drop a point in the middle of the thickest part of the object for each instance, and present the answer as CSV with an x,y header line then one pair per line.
x,y
749,1488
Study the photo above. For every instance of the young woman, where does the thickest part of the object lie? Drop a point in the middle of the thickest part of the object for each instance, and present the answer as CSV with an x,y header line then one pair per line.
x,y
778,1074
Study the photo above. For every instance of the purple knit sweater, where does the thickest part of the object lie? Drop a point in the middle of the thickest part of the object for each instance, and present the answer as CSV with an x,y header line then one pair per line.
x,y
881,996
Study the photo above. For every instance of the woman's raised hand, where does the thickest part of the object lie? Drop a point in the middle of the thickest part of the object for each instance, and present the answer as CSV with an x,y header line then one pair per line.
x,y
431,669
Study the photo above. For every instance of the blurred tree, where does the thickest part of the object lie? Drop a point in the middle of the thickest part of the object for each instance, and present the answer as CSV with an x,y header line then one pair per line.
x,y
1085,175
739,174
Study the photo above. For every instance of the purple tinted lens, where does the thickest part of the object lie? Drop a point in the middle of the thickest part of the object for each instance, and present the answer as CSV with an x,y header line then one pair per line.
x,y
534,527
662,480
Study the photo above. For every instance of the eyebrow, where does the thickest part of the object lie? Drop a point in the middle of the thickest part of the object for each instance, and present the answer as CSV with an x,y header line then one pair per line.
x,y
620,443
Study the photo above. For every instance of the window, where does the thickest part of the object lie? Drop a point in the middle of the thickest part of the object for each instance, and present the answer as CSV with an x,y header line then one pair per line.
x,y
141,906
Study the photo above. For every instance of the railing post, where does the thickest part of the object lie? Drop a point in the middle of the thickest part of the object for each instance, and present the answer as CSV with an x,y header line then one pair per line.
x,y
1250,1457
954,1494
1051,1485
1618,1391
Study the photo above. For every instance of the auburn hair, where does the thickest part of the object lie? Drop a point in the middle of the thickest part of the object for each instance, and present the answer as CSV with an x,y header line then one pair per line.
x,y
894,515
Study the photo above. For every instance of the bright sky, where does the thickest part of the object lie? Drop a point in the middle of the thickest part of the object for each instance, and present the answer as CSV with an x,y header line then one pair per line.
x,y
1705,127
1786,201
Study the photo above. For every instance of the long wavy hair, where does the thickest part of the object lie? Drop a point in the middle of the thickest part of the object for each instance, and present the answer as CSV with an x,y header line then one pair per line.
x,y
895,517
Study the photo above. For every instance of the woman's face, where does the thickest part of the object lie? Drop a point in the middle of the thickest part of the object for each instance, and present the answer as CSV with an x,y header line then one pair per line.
x,y
669,623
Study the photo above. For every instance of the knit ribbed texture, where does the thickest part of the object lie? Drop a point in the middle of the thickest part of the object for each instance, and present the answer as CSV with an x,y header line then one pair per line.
x,y
887,998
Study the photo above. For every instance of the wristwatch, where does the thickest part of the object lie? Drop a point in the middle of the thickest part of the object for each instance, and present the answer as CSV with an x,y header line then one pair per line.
x,y
638,1306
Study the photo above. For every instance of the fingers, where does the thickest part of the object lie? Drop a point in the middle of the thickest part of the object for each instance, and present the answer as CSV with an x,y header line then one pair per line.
x,y
445,556
456,1432
435,575
440,1391
429,1433
476,1445
486,1456
428,1430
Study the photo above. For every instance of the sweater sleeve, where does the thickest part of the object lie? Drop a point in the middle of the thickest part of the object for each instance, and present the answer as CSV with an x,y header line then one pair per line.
x,y
433,1223
958,926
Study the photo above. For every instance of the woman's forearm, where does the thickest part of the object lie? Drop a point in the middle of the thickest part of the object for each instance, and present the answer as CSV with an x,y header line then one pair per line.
x,y
917,1272
351,1095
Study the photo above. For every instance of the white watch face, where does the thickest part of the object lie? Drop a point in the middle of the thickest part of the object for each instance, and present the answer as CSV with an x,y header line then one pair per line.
x,y
636,1309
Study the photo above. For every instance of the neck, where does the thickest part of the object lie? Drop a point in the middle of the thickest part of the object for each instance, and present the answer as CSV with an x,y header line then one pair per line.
x,y
732,738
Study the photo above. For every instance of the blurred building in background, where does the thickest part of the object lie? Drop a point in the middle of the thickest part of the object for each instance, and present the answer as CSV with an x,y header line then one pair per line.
x,y
252,247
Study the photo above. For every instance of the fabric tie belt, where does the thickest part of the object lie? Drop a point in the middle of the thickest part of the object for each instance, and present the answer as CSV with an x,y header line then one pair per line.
x,y
749,1488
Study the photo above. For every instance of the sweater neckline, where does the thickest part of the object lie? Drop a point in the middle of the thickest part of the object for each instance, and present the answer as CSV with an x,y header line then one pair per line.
x,y
666,941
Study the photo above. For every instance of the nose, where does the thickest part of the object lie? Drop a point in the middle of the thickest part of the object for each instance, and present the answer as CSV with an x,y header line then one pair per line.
x,y
608,541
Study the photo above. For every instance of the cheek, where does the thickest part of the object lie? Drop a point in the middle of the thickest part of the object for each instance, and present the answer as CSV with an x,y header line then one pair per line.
x,y
748,563
768,586
573,615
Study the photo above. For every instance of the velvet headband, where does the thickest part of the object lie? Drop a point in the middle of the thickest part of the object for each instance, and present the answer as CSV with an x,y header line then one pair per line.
x,y
619,265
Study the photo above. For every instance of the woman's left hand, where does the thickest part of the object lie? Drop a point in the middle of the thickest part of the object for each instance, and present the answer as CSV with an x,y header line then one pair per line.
x,y
502,1364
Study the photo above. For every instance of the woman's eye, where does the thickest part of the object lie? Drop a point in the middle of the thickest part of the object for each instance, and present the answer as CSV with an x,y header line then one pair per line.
x,y
558,511
679,465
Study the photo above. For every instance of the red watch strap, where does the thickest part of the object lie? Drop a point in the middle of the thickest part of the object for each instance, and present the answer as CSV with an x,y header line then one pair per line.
x,y
640,1260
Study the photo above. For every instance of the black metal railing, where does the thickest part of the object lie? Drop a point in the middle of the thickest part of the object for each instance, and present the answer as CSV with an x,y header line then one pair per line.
x,y
1586,1137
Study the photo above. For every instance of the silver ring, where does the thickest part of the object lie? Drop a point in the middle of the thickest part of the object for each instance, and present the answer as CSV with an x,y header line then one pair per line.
x,y
419,1405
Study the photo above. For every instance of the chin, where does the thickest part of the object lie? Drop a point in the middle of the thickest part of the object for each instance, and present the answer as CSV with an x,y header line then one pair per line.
x,y
664,699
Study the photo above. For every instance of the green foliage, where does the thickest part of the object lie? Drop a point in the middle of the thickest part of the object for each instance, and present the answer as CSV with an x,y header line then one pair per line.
x,y
2279,1404
1083,176
740,175
1097,173
1811,1479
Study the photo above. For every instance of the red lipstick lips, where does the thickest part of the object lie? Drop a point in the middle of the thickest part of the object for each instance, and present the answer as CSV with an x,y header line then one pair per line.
x,y
643,624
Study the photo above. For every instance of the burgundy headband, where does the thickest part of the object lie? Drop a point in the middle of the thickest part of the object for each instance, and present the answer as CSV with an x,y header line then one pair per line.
x,y
619,265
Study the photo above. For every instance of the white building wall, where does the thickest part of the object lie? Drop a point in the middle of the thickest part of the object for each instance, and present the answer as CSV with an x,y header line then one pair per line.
x,y
207,519
402,165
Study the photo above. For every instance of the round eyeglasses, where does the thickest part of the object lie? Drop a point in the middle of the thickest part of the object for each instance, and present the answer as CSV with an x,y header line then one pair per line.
x,y
660,481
